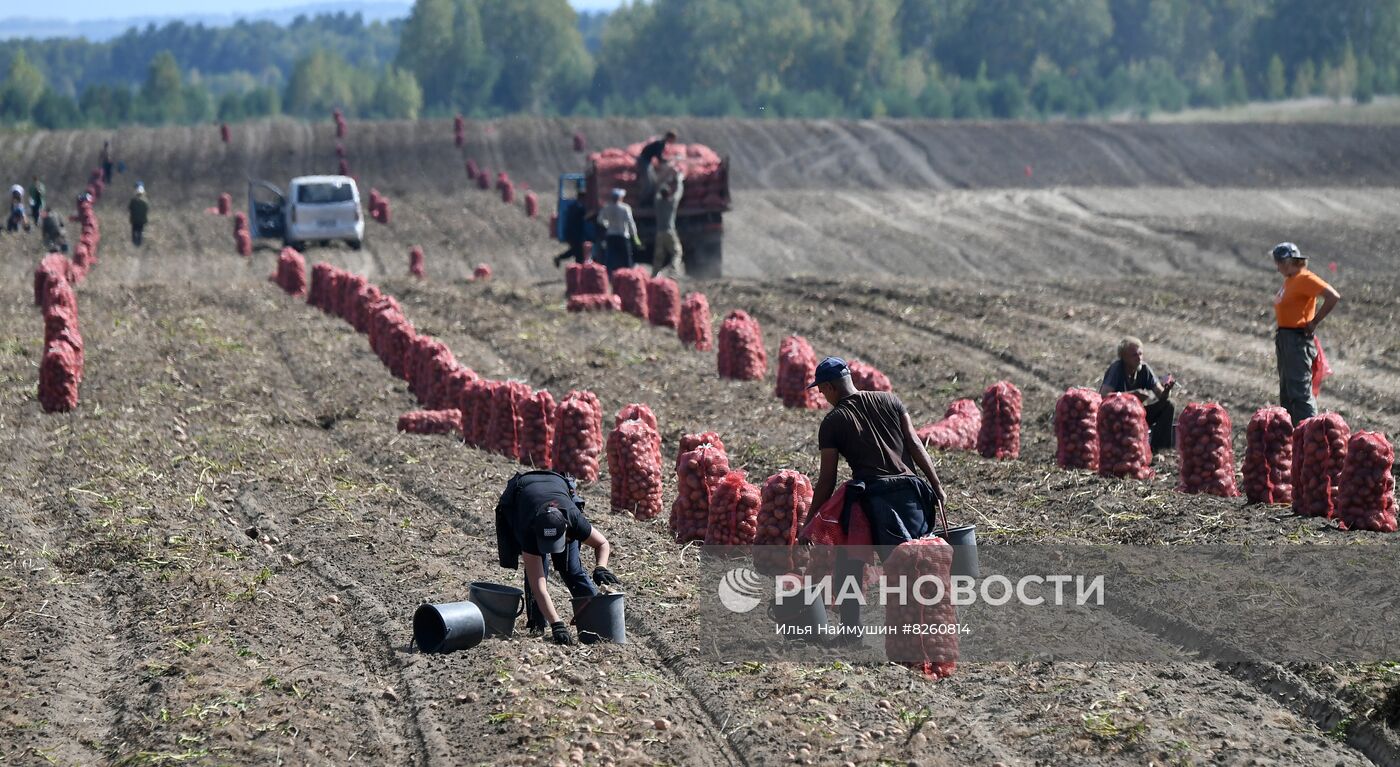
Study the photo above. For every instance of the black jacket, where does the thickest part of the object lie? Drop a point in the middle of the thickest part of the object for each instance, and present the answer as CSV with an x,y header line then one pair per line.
x,y
525,494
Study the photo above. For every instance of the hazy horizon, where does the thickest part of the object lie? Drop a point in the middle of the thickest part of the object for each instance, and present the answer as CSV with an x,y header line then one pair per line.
x,y
99,10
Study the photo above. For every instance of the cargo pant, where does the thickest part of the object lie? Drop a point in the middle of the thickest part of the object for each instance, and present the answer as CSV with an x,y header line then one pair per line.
x,y
667,253
570,569
1295,360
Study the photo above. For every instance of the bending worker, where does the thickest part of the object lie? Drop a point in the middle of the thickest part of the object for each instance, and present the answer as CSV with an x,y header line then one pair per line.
x,y
1298,314
539,518
1129,373
873,432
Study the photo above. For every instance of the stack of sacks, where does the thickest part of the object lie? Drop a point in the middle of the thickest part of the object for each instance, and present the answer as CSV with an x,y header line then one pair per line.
x,y
958,430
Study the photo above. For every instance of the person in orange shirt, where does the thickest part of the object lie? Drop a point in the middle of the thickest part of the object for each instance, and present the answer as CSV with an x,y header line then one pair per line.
x,y
1298,313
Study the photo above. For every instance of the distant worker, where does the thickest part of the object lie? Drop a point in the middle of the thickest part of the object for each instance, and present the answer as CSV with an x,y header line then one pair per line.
x,y
18,218
137,210
539,518
620,230
52,230
666,252
575,214
105,160
1129,373
1298,314
873,432
653,151
36,197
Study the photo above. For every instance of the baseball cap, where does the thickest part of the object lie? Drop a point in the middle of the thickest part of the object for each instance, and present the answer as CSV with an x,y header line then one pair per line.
x,y
830,369
618,194
1286,250
549,528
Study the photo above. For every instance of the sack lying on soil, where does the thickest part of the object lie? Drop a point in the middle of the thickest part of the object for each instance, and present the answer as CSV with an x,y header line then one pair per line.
x,y
532,205
507,190
935,654
243,242
958,429
477,401
483,179
58,293
867,377
415,262
634,465
579,142
537,429
663,302
741,353
431,421
1000,435
1207,453
1319,453
587,278
694,329
1076,430
240,222
797,365
698,471
505,424
1268,457
595,302
578,435
61,322
785,499
225,204
224,133
631,287
1124,448
1366,490
291,272
60,372
54,267
733,517
472,171
481,273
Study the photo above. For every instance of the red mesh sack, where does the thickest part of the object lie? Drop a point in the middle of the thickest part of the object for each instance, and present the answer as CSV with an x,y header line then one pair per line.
x,y
663,302
694,330
1268,457
418,365
1000,435
507,190
935,654
1207,452
59,293
415,262
1366,490
54,266
383,212
634,465
243,243
476,411
741,353
291,272
797,366
61,322
532,205
867,378
595,302
587,278
504,425
691,441
318,290
454,388
1319,454
958,430
60,372
1124,449
224,133
635,411
578,436
342,167
339,151
240,222
481,273
537,430
472,170
733,512
631,286
483,179
579,142
431,422
784,501
225,204
698,471
1076,430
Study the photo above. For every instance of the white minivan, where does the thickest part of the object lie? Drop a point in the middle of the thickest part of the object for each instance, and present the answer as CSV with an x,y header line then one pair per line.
x,y
314,209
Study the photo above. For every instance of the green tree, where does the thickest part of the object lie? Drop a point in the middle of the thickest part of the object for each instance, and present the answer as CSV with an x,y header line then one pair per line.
x,y
22,89
427,47
319,83
1304,79
1276,83
1237,90
56,111
397,95
538,42
162,97
1365,81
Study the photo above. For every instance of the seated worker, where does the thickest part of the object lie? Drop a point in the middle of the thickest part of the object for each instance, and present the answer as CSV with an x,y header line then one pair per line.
x,y
540,518
52,229
1130,374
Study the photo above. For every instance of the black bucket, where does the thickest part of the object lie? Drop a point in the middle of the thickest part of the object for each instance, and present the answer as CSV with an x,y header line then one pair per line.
x,y
964,542
500,606
799,616
600,618
448,627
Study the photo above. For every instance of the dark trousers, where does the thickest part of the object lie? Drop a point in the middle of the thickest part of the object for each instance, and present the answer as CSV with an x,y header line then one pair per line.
x,y
34,210
1160,416
136,232
1296,352
571,571
618,253
575,252
106,172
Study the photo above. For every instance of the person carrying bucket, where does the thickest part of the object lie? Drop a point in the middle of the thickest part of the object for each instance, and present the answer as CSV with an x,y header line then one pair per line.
x,y
539,518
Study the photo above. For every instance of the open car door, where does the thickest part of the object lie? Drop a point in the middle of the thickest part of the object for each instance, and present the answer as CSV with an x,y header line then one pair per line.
x,y
267,210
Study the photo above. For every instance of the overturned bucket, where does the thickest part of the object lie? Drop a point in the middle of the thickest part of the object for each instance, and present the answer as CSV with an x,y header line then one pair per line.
x,y
600,618
500,606
448,627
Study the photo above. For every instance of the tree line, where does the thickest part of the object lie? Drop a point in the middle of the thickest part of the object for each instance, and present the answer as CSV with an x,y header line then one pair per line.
x,y
814,58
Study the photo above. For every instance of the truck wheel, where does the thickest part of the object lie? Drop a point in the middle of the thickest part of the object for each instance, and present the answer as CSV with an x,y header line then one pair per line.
x,y
354,244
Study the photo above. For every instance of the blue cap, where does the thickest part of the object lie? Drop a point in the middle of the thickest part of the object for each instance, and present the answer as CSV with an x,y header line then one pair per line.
x,y
830,369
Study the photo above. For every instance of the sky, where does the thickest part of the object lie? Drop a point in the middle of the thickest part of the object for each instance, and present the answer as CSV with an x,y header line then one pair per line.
x,y
87,10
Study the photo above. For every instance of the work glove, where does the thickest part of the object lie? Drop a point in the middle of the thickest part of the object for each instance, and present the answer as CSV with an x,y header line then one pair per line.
x,y
604,577
637,241
560,633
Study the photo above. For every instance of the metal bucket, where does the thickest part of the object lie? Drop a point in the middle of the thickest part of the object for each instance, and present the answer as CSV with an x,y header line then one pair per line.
x,y
600,618
448,627
799,616
964,542
500,606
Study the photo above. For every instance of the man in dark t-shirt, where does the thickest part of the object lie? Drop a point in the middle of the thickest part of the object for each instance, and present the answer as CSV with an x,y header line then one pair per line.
x,y
1130,373
539,519
654,150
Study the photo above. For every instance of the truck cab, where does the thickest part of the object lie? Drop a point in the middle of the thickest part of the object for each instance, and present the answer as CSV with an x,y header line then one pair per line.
x,y
313,209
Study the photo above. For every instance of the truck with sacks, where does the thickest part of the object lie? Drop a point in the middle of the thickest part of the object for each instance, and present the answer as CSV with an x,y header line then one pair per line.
x,y
699,217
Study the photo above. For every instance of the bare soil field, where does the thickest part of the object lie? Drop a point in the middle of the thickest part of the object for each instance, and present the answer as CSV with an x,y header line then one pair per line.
x,y
216,558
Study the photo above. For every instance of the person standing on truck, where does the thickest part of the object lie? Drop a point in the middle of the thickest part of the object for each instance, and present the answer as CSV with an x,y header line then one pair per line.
x,y
137,210
539,518
653,151
873,432
1130,374
1298,314
620,230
